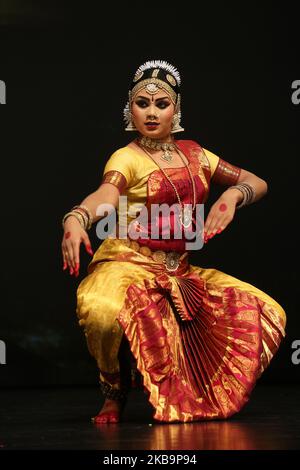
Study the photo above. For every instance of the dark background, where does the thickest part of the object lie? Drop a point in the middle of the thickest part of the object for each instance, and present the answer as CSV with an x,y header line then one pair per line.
x,y
67,70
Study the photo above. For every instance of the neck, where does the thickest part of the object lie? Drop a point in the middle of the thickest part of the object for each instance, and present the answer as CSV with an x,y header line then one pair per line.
x,y
164,140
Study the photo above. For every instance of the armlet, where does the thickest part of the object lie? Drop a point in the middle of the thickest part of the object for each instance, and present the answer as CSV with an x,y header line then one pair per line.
x,y
226,173
116,178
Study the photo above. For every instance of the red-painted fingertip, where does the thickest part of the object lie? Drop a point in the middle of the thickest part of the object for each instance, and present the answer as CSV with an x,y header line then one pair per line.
x,y
90,251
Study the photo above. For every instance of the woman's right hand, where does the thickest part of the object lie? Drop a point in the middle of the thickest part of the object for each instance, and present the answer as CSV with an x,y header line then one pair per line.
x,y
74,234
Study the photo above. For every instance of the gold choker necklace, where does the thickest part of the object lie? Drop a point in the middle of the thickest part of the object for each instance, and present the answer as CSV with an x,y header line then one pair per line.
x,y
166,147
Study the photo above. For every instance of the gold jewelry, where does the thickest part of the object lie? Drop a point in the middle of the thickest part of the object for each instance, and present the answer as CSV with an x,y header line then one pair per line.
x,y
82,214
186,213
171,79
171,259
76,215
166,147
128,115
176,127
84,210
153,85
159,256
155,75
138,76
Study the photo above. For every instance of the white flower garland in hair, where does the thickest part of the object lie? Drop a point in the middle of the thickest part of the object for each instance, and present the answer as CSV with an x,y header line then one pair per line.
x,y
161,64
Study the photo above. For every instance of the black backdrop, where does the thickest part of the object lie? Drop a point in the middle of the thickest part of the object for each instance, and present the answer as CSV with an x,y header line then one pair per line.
x,y
67,71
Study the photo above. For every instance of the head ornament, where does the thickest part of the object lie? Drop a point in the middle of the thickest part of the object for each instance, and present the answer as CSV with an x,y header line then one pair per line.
x,y
153,76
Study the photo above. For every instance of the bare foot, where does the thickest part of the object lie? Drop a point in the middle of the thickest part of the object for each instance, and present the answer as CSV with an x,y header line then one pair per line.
x,y
109,413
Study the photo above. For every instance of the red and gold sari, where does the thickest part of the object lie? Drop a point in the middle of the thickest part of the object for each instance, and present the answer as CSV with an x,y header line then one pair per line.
x,y
200,337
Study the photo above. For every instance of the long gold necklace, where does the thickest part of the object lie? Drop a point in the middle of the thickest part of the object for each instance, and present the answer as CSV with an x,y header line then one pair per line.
x,y
186,213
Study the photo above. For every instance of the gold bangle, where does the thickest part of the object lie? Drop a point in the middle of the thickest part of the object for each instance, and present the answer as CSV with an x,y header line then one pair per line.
x,y
88,212
68,214
83,216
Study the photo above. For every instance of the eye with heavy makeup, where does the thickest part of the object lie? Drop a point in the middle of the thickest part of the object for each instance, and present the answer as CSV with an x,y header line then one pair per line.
x,y
161,103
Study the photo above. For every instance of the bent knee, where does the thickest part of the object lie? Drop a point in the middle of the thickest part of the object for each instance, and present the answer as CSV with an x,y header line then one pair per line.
x,y
98,312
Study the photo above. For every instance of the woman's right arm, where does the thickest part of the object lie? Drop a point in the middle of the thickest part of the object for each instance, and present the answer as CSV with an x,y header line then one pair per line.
x,y
74,233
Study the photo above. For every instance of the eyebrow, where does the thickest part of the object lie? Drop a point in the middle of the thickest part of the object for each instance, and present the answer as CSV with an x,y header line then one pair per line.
x,y
158,99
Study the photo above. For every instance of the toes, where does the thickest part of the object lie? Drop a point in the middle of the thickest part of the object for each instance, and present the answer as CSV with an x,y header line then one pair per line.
x,y
114,419
103,418
106,418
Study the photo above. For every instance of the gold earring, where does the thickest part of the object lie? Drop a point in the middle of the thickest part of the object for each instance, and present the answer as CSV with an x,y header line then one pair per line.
x,y
128,115
176,127
129,121
130,124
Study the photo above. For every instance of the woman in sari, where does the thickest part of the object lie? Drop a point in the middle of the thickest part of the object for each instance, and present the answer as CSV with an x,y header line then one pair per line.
x,y
197,338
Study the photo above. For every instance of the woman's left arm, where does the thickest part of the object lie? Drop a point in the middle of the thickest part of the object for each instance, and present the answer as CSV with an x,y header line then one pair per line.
x,y
223,210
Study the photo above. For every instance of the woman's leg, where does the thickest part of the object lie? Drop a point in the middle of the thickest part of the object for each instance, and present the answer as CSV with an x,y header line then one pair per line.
x,y
99,299
115,388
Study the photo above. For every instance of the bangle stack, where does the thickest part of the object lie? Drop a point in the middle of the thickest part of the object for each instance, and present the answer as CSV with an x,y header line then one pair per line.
x,y
248,193
82,214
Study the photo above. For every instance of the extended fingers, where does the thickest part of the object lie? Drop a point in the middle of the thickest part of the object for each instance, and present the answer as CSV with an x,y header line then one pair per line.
x,y
65,256
69,259
75,258
213,226
218,218
65,265
70,250
212,232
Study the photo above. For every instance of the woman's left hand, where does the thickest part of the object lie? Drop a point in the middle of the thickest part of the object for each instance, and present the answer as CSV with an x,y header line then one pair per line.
x,y
221,213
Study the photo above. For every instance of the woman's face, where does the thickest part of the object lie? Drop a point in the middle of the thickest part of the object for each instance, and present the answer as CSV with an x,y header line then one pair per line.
x,y
152,114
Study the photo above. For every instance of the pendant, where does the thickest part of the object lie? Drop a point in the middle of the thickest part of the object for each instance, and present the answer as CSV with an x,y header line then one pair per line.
x,y
172,260
186,216
167,156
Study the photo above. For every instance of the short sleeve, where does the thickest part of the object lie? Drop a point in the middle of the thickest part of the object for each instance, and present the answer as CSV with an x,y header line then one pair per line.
x,y
222,172
120,169
213,160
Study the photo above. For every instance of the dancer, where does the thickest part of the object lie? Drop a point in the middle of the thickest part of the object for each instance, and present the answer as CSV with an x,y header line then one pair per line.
x,y
197,338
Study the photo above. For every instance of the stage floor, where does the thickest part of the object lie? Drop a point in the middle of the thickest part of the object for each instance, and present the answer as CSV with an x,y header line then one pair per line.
x,y
60,418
